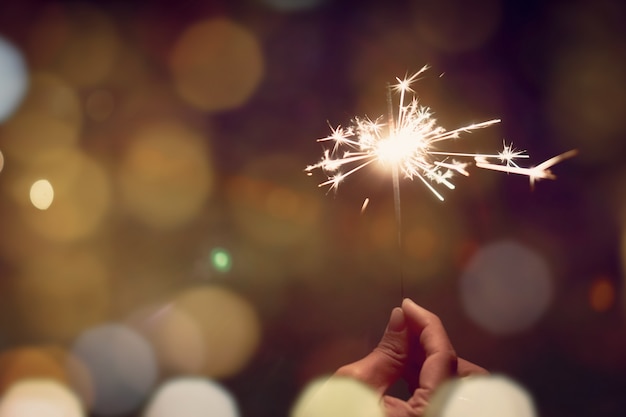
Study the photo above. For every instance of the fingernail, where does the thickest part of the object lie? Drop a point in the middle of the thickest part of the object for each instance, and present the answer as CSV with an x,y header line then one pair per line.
x,y
407,301
396,321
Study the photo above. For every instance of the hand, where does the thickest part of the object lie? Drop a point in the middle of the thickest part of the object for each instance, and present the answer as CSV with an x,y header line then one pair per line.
x,y
414,347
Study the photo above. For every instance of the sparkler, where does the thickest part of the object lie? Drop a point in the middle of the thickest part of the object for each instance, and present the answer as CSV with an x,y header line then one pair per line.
x,y
409,144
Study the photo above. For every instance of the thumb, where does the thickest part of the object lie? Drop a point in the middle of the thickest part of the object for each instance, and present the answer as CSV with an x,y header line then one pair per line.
x,y
381,368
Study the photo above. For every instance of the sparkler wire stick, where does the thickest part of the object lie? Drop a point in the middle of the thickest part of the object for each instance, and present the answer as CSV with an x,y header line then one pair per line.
x,y
396,190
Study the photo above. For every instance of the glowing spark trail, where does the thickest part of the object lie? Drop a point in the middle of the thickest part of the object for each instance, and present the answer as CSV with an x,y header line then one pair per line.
x,y
409,145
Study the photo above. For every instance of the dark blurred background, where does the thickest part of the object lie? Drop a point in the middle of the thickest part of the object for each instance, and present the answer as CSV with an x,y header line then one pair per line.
x,y
159,234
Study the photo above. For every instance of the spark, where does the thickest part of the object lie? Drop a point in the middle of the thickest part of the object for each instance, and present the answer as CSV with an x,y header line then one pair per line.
x,y
365,204
534,174
409,143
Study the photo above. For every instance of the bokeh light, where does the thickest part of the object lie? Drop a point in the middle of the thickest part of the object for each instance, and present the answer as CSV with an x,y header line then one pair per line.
x,y
484,396
122,367
40,397
50,118
165,175
50,362
506,287
41,194
229,325
268,204
337,396
191,397
601,294
88,45
82,195
13,79
176,337
221,259
29,362
60,293
216,64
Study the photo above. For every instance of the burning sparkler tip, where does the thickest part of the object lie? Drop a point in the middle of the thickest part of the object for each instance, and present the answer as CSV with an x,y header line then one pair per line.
x,y
408,145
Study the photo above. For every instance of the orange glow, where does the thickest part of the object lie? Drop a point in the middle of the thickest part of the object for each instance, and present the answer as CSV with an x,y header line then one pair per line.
x,y
216,64
165,177
229,325
28,362
82,195
601,294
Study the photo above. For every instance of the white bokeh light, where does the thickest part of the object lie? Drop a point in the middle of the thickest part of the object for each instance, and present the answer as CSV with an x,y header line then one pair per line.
x,y
40,397
484,396
192,397
506,287
41,194
13,79
338,396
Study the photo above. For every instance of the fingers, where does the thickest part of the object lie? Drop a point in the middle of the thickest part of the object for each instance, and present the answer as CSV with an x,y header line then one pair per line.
x,y
467,368
439,358
381,368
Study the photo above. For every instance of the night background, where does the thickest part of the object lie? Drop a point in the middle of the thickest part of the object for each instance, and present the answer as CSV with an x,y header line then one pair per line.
x,y
157,225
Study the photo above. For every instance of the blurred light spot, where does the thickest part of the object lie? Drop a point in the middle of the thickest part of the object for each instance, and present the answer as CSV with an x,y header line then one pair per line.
x,y
122,367
89,48
165,176
229,325
41,194
100,105
601,294
221,259
49,118
292,5
484,396
28,362
40,397
60,293
506,287
176,337
51,362
457,25
82,195
269,205
191,397
216,64
337,396
13,79
282,202
1,161
421,243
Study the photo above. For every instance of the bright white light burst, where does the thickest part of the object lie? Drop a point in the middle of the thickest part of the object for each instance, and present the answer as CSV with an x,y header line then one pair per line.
x,y
409,143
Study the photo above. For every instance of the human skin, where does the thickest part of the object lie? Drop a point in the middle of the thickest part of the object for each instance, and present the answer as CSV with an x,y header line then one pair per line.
x,y
414,347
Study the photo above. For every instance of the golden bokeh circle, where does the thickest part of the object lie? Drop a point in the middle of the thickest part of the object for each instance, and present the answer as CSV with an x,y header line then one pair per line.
x,y
216,64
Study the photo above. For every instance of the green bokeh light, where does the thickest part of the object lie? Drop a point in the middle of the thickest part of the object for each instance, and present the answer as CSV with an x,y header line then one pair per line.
x,y
221,260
